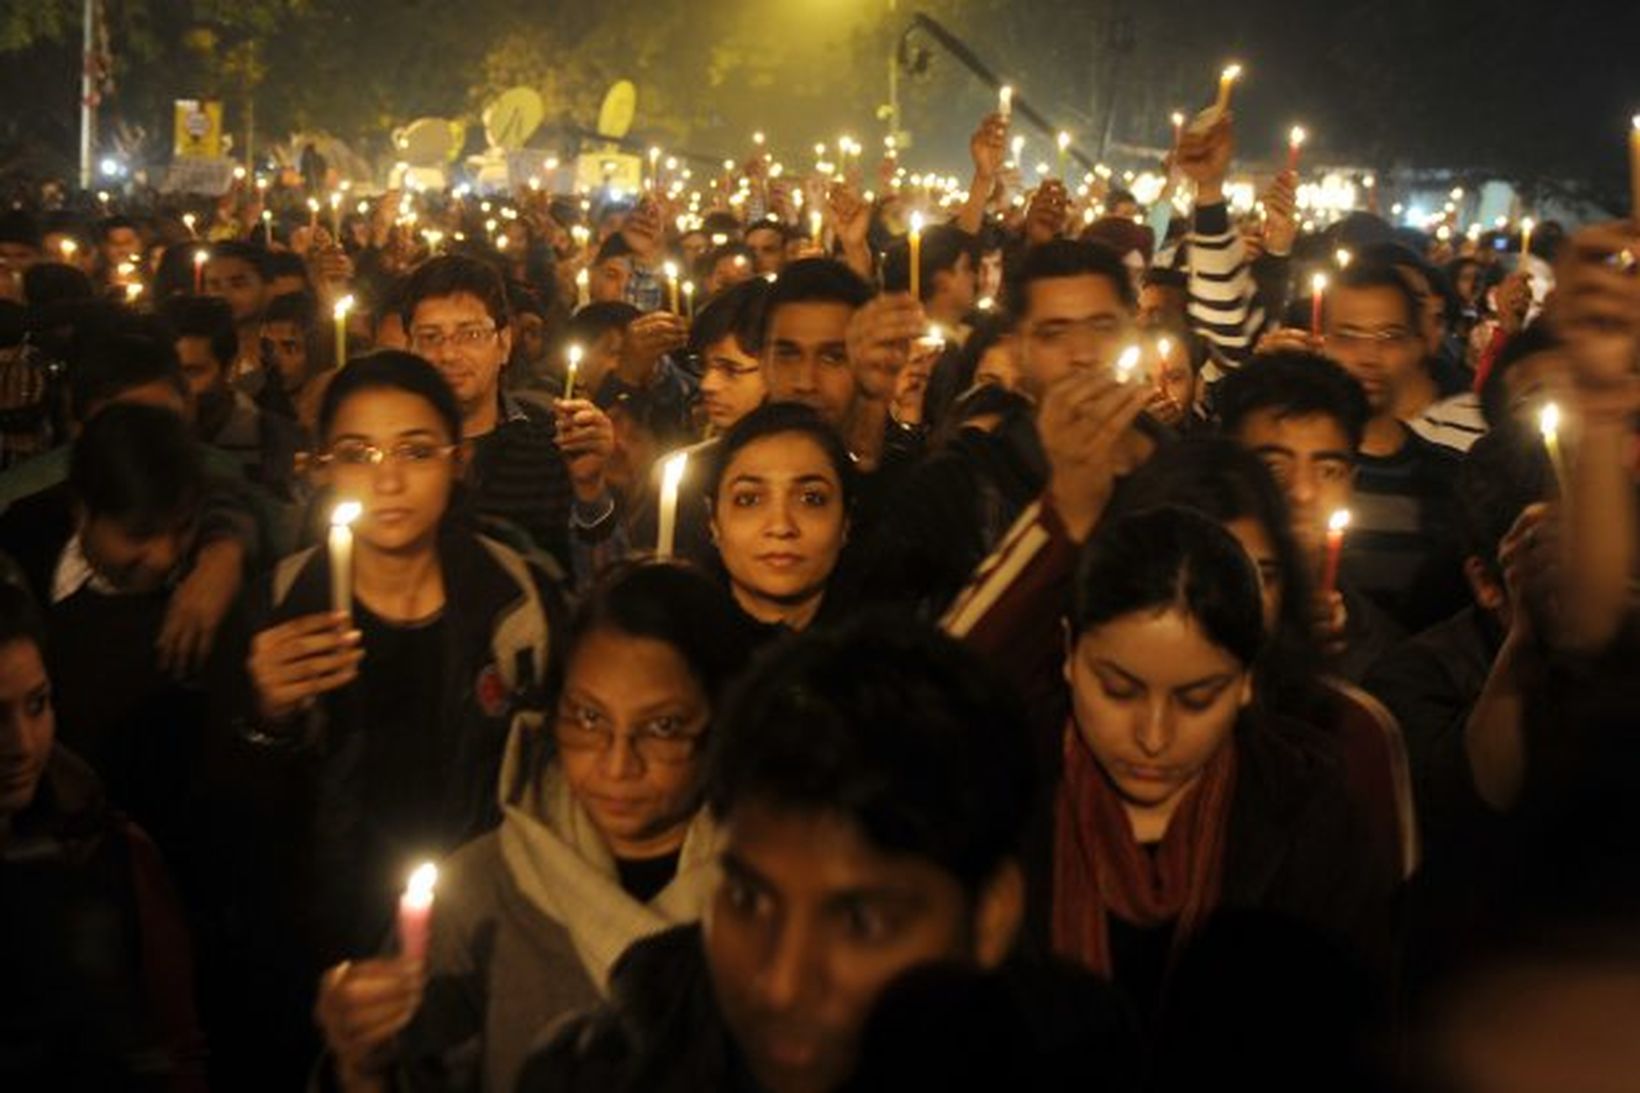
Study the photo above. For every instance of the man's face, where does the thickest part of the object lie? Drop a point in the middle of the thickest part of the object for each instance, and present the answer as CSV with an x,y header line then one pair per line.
x,y
1432,316
204,373
608,280
121,245
27,724
531,340
1161,305
768,250
237,282
1070,323
730,270
960,285
1370,333
809,923
459,336
731,383
286,284
288,346
990,274
806,358
129,561
1309,456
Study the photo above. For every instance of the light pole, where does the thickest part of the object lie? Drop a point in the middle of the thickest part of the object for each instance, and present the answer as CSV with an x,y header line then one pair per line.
x,y
88,91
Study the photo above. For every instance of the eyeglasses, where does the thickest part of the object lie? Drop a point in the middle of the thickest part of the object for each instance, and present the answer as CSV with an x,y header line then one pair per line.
x,y
465,337
1386,336
666,740
410,453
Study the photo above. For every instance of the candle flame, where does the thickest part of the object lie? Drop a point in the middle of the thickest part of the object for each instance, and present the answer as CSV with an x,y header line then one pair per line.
x,y
916,223
1343,258
1231,73
1064,141
313,204
574,354
1318,283
671,269
1339,520
1178,118
1298,136
345,513
419,892
757,138
342,307
1126,363
1637,123
1164,346
1549,420
1526,225
689,288
201,256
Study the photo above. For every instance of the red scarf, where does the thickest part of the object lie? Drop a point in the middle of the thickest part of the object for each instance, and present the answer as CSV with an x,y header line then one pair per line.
x,y
1099,869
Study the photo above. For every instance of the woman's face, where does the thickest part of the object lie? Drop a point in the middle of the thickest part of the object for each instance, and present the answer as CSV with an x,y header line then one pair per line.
x,y
1255,539
392,452
779,524
630,726
1155,700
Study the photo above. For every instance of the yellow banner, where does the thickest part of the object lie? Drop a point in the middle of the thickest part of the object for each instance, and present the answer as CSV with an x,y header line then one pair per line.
x,y
198,128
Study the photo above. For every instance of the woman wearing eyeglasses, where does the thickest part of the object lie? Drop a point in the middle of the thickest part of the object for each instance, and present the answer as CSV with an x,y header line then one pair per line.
x,y
602,842
398,711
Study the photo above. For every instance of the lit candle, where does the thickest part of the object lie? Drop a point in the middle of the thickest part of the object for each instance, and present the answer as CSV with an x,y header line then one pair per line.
x,y
1064,147
1336,524
1318,294
313,214
655,169
1526,227
133,292
689,299
1549,426
671,269
1227,80
201,256
267,228
416,911
1018,147
188,221
1178,128
574,355
671,479
68,247
336,216
916,255
583,288
1343,258
1005,102
1127,363
817,227
1634,169
341,555
1295,141
339,312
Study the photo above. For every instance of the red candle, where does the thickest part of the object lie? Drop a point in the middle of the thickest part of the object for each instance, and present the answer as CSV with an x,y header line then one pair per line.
x,y
1318,295
416,911
1335,547
1295,141
200,258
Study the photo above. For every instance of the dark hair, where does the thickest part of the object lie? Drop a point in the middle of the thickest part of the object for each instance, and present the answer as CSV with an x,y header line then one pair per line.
x,y
284,263
1502,473
735,312
20,617
1223,481
1172,557
392,370
1494,394
17,226
814,280
108,225
452,275
292,307
54,282
1363,274
1289,384
108,365
773,419
595,320
252,255
672,603
708,262
941,247
1059,258
139,466
208,317
768,224
887,724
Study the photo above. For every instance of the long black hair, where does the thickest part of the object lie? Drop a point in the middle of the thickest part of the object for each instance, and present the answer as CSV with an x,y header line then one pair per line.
x,y
390,370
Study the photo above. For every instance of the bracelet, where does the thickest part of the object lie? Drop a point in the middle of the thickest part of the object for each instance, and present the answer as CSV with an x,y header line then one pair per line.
x,y
576,520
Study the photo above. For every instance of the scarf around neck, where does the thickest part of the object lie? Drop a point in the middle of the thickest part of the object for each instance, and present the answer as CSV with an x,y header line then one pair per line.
x,y
1100,869
561,864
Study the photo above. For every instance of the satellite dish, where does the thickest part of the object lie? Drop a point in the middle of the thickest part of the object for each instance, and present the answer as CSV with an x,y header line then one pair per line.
x,y
620,105
513,118
427,142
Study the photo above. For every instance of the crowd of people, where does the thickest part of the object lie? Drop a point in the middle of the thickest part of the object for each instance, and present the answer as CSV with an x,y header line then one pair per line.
x,y
826,639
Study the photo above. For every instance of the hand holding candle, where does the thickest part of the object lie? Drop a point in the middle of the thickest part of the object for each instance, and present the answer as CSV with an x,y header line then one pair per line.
x,y
416,912
671,481
1549,426
574,355
1295,141
1336,526
341,555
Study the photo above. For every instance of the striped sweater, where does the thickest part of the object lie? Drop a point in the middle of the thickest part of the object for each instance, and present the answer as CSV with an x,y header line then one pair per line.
x,y
1223,302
